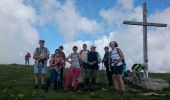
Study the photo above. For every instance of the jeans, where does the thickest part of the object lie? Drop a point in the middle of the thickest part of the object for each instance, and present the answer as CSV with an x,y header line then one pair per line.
x,y
53,77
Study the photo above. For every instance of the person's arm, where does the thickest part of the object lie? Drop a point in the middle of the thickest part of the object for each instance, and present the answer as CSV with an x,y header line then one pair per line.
x,y
48,54
68,58
51,62
80,56
35,54
120,54
134,73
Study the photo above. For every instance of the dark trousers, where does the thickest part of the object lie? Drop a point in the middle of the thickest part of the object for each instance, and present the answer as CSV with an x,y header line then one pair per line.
x,y
61,77
53,77
109,74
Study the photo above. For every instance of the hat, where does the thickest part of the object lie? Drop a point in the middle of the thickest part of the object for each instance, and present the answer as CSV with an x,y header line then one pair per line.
x,y
106,47
57,50
41,41
75,47
61,47
92,46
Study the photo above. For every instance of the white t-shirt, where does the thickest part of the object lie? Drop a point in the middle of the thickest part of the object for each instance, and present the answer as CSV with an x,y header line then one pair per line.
x,y
115,56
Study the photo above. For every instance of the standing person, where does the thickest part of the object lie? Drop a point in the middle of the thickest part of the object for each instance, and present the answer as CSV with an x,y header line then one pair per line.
x,y
56,62
83,60
27,58
93,59
105,61
116,61
61,48
41,55
74,68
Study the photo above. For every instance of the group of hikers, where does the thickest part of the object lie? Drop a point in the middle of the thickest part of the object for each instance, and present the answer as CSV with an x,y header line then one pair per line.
x,y
84,66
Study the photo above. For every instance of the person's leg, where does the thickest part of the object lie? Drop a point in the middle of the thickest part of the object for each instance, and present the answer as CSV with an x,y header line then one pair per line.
x,y
49,80
25,62
120,83
94,74
36,75
61,76
87,79
109,77
28,62
55,80
36,80
43,73
115,83
68,76
114,80
76,75
119,78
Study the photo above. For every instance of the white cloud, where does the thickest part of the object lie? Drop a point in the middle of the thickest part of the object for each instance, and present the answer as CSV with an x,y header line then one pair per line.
x,y
67,18
159,40
17,34
126,4
130,38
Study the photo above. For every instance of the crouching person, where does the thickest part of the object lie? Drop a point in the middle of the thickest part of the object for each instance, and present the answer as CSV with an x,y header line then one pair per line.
x,y
55,66
138,71
74,69
93,58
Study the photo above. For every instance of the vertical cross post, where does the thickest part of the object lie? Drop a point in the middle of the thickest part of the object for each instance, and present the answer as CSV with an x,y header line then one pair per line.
x,y
145,24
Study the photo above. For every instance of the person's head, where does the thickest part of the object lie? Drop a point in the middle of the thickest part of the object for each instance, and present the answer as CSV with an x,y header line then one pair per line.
x,y
41,43
138,65
93,48
106,48
84,46
113,44
61,48
57,51
75,48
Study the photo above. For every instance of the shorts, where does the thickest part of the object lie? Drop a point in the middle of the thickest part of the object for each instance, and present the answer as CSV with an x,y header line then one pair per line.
x,y
118,70
40,69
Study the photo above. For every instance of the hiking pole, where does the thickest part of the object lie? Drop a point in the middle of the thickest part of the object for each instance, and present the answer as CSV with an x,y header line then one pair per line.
x,y
102,73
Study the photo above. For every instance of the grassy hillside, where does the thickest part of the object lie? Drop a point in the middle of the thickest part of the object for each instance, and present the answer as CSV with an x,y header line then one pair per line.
x,y
16,83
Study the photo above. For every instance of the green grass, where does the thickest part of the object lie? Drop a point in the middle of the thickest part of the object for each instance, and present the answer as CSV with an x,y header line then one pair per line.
x,y
16,83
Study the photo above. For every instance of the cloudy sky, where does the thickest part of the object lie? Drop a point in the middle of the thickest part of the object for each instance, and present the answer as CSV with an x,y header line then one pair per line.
x,y
74,22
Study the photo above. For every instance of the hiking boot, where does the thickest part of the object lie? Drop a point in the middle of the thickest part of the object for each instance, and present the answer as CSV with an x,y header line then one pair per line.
x,y
36,86
42,86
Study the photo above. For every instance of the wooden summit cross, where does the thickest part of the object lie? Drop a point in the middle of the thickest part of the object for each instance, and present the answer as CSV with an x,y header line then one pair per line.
x,y
145,24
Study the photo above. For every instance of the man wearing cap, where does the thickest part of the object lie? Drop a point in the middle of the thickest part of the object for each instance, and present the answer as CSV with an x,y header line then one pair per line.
x,y
61,48
93,59
105,61
41,55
